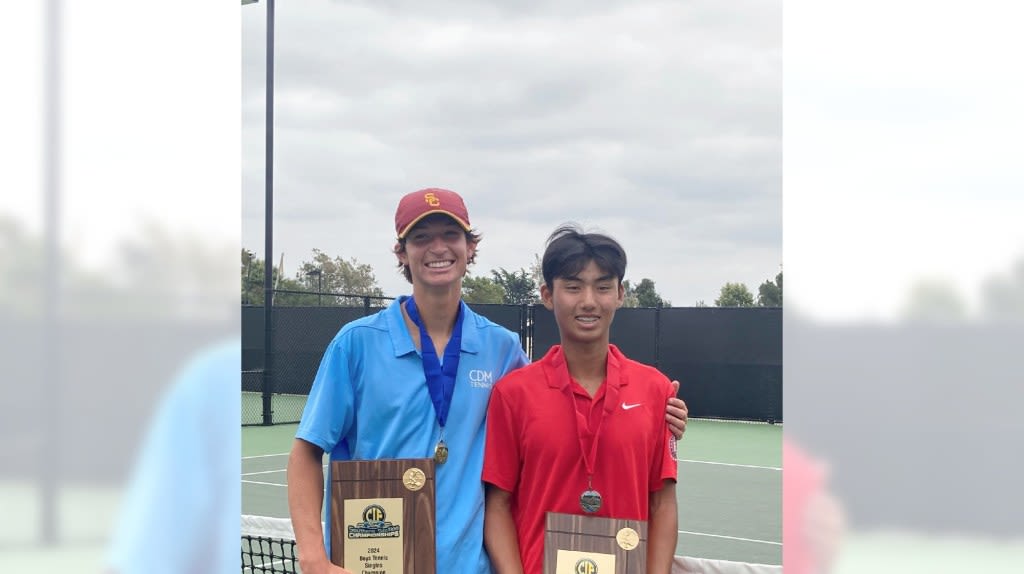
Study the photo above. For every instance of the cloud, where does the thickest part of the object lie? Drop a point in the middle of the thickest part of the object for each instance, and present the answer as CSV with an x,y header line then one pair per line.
x,y
660,121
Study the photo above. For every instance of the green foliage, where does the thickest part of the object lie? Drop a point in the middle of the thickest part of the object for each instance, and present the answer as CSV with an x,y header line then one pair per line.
x,y
647,295
155,273
769,294
481,290
735,295
537,271
642,295
630,299
519,286
935,300
253,269
1003,295
321,277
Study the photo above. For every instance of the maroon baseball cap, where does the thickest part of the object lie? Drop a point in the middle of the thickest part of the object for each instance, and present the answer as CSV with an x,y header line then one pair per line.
x,y
419,204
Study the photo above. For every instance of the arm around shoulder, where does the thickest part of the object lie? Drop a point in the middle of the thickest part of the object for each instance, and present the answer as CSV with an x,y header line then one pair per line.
x,y
676,413
662,529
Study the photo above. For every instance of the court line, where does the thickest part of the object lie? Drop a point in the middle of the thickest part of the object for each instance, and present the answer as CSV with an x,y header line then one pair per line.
x,y
264,455
730,464
264,472
263,483
680,531
730,537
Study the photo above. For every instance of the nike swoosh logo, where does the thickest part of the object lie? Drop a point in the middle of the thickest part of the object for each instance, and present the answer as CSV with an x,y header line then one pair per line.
x,y
626,407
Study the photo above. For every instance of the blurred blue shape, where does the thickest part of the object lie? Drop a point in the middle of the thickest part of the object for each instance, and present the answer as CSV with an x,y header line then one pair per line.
x,y
181,510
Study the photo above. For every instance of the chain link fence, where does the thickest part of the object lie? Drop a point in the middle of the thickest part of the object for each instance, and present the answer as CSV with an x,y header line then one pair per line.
x,y
299,334
728,360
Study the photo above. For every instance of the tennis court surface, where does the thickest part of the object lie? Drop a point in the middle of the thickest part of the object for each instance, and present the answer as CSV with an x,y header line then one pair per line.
x,y
729,491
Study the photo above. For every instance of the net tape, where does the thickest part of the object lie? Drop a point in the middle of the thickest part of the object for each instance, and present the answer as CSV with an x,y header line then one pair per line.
x,y
268,546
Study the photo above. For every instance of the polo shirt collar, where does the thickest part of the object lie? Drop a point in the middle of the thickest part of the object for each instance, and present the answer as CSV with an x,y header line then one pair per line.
x,y
402,342
557,372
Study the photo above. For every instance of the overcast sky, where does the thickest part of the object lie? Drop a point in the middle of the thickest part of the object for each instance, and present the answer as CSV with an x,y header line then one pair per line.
x,y
656,122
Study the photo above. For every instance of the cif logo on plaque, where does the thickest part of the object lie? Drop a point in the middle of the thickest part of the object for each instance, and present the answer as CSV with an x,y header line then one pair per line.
x,y
373,544
576,562
374,525
586,566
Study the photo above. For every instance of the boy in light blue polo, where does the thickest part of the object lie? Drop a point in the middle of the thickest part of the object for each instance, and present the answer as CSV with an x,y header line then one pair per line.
x,y
372,397
378,359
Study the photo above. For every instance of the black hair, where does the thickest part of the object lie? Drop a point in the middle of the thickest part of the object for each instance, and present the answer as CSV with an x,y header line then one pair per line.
x,y
569,250
472,237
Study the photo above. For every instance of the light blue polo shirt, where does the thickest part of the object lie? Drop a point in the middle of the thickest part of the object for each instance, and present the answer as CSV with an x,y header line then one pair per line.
x,y
370,401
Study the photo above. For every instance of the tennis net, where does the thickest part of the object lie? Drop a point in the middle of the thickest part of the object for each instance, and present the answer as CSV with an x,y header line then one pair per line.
x,y
268,545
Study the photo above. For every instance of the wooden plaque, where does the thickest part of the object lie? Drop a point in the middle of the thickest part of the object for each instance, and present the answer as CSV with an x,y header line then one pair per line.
x,y
382,515
594,545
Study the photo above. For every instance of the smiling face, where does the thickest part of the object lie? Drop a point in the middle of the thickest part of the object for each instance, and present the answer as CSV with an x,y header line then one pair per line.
x,y
436,252
584,304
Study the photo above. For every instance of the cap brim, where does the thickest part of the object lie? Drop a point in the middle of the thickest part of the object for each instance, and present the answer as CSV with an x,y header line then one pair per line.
x,y
411,224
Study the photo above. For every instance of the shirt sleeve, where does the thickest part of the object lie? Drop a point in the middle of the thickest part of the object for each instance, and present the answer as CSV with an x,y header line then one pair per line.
x,y
664,465
502,454
329,412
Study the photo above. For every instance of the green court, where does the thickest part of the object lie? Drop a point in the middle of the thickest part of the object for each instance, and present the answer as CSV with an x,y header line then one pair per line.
x,y
729,490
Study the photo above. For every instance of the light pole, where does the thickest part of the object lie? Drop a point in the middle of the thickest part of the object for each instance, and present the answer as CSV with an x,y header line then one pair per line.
x,y
268,275
52,293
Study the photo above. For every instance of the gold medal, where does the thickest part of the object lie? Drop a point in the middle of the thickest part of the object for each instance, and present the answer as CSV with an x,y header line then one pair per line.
x,y
627,538
441,452
413,479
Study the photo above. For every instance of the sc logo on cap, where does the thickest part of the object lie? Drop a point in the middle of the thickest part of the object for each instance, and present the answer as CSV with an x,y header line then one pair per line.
x,y
586,566
431,199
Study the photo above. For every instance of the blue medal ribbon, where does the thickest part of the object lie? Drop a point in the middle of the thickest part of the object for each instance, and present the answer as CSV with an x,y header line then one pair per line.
x,y
440,378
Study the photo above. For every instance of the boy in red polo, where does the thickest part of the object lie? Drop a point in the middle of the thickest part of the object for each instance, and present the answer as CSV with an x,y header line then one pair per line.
x,y
582,430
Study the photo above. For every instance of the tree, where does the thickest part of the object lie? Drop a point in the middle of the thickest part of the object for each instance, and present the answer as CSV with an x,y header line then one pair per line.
x,y
630,299
647,295
252,280
769,294
1003,295
935,301
537,271
735,295
338,275
519,286
481,290
322,274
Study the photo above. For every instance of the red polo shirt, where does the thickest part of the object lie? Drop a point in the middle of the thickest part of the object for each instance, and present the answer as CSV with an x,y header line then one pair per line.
x,y
533,447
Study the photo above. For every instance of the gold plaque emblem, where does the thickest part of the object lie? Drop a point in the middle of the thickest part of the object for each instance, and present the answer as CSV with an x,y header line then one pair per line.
x,y
627,538
414,479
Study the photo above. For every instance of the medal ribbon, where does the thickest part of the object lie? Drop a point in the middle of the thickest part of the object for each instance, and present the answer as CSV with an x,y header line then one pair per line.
x,y
611,395
440,378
